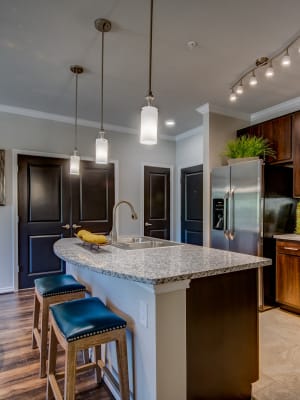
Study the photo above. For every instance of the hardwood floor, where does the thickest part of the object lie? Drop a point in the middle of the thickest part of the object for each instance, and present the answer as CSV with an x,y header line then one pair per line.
x,y
19,363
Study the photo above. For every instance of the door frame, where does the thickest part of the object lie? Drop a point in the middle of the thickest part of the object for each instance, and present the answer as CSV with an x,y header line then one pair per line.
x,y
159,165
15,238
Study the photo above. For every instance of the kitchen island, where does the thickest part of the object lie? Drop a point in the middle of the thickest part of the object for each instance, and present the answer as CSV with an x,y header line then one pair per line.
x,y
191,313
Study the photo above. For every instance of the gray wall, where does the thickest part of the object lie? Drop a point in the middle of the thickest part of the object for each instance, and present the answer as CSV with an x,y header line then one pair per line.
x,y
30,134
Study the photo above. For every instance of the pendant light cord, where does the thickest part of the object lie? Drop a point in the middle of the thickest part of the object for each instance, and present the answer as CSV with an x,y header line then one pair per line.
x,y
101,94
76,97
150,94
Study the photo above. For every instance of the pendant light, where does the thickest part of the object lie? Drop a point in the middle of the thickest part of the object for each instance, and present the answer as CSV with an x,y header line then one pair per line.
x,y
149,113
102,25
75,159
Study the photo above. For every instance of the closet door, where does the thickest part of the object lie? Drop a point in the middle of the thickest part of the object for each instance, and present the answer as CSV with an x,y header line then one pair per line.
x,y
44,215
93,197
53,204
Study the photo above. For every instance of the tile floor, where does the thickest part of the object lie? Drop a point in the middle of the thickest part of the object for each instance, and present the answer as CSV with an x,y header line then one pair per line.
x,y
279,356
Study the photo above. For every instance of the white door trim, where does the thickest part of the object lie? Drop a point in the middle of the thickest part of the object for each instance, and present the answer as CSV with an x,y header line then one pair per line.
x,y
15,153
159,165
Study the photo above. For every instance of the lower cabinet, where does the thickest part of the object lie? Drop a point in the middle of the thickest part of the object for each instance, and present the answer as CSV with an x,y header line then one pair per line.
x,y
288,274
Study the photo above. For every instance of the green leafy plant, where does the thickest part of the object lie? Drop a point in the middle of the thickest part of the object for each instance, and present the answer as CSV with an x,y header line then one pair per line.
x,y
249,146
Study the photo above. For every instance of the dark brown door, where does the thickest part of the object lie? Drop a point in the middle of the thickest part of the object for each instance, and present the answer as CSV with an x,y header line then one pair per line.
x,y
93,196
53,204
43,209
157,202
192,205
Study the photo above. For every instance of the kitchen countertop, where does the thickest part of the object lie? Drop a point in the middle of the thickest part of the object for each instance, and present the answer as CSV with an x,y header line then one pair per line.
x,y
156,265
288,236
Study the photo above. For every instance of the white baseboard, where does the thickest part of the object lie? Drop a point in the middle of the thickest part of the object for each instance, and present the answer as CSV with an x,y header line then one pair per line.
x,y
7,290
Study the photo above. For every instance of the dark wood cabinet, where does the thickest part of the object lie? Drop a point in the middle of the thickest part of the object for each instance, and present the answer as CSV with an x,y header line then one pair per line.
x,y
296,151
288,274
282,138
278,131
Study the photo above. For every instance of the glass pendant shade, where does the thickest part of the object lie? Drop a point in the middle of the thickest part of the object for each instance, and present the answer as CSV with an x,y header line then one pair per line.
x,y
286,60
149,120
75,163
269,72
253,80
101,150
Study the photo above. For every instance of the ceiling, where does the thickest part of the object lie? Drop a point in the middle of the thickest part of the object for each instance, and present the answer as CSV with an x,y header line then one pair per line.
x,y
40,39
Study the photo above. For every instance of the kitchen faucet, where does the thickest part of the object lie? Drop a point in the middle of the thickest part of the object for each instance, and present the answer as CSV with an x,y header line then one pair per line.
x,y
114,231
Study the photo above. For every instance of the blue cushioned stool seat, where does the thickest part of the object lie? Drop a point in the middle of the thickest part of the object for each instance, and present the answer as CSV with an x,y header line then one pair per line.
x,y
85,317
50,290
57,284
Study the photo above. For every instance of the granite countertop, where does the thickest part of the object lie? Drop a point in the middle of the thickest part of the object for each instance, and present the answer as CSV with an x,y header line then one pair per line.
x,y
156,265
288,236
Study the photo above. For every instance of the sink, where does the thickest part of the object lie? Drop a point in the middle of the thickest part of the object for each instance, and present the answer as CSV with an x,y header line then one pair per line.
x,y
143,242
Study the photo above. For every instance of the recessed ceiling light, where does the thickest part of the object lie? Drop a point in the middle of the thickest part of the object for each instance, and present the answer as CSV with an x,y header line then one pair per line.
x,y
170,122
191,44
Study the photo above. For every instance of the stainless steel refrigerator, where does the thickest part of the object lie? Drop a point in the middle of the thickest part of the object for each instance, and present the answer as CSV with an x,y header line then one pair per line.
x,y
250,203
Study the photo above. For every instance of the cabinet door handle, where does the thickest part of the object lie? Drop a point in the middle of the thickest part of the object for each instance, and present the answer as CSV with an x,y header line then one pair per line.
x,y
291,248
148,224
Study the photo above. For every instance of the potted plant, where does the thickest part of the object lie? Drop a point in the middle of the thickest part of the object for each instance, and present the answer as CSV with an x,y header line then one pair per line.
x,y
248,147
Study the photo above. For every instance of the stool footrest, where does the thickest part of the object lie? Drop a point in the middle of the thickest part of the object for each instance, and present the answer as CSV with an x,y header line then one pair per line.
x,y
37,336
55,388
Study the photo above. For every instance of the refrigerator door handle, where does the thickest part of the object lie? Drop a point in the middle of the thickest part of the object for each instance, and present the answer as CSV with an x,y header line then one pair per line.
x,y
231,232
225,230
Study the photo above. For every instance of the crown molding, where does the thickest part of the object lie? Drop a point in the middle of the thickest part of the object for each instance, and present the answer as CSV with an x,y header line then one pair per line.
x,y
283,108
228,112
191,132
28,112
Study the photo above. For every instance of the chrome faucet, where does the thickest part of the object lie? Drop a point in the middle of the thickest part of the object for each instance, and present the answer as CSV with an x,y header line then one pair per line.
x,y
114,231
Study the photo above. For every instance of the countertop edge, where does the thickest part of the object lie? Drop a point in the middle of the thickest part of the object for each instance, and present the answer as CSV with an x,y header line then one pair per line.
x,y
159,281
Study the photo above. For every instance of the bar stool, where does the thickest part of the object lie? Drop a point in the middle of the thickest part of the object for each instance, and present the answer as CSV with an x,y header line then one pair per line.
x,y
77,325
50,290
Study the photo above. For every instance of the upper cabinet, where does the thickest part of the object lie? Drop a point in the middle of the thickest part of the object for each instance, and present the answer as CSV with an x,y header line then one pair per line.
x,y
282,138
279,133
296,151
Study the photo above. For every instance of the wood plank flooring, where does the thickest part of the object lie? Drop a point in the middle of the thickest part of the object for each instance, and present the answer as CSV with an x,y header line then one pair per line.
x,y
19,363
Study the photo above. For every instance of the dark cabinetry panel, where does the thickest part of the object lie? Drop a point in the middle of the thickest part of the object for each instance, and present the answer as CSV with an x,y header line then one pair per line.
x,y
279,133
296,151
288,274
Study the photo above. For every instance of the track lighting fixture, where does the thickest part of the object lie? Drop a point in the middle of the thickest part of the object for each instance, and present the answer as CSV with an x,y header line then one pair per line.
x,y
264,63
286,59
233,96
269,71
240,88
253,79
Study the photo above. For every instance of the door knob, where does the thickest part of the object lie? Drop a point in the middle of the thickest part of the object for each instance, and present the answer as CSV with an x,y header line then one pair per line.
x,y
74,226
67,226
148,224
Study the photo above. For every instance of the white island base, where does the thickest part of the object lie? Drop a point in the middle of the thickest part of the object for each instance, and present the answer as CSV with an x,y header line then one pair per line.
x,y
156,317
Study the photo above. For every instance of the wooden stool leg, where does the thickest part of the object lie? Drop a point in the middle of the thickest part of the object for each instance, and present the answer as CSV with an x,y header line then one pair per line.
x,y
70,372
97,356
122,366
44,336
35,323
51,363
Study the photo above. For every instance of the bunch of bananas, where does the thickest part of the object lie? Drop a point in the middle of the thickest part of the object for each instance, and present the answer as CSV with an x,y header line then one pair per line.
x,y
91,237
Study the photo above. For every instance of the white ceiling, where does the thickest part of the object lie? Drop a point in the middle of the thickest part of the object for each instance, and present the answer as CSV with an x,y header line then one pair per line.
x,y
40,39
